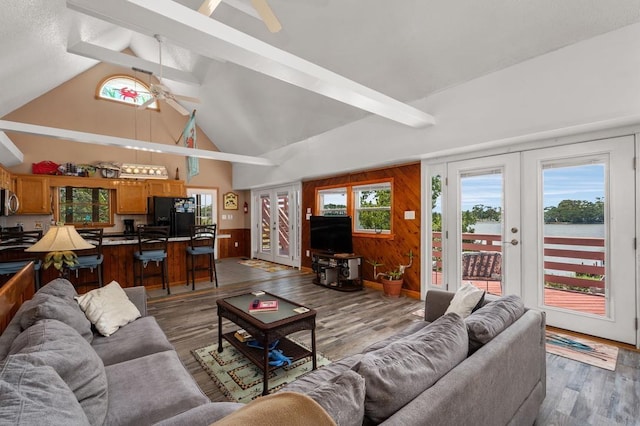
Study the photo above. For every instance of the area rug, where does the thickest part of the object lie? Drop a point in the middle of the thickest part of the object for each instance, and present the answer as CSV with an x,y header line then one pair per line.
x,y
264,265
239,379
582,350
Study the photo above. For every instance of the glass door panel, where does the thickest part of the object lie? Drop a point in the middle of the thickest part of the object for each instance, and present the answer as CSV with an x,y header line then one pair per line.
x,y
283,224
574,206
265,224
481,200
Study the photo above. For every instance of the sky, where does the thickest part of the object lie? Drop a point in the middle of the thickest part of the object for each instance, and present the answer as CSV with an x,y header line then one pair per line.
x,y
585,182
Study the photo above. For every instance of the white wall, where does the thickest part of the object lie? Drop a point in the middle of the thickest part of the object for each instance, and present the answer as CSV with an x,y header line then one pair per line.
x,y
589,85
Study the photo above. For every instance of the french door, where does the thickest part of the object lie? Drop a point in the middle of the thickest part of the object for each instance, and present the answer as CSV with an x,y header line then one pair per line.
x,y
553,225
276,239
486,250
579,238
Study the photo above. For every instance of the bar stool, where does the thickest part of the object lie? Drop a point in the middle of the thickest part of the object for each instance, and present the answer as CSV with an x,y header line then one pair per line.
x,y
153,242
12,246
91,259
203,240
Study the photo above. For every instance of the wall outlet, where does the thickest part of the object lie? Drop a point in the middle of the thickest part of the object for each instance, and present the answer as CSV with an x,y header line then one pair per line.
x,y
308,253
235,244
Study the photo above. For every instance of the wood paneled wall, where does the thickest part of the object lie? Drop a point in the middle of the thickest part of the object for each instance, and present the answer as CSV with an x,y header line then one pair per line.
x,y
238,245
406,233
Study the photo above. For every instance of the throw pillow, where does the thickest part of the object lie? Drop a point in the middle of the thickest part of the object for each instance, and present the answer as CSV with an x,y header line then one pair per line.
x,y
108,308
44,307
34,394
465,300
490,320
282,408
342,398
400,372
53,343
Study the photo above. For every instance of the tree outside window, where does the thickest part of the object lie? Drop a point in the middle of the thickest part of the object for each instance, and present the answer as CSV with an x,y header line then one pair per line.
x,y
84,206
373,208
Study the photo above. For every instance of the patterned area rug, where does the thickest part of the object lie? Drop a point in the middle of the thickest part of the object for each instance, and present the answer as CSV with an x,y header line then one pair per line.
x,y
264,265
582,350
239,379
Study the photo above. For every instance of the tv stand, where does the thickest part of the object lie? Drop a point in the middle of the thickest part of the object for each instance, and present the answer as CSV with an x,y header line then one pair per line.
x,y
339,271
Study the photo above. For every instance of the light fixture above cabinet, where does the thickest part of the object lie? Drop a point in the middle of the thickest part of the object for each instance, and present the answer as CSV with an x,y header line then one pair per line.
x,y
142,171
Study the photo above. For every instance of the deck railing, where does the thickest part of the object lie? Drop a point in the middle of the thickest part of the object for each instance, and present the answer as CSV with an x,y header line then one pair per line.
x,y
570,263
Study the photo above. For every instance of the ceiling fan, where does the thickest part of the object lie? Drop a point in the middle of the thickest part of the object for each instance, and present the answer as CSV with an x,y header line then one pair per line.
x,y
160,92
261,6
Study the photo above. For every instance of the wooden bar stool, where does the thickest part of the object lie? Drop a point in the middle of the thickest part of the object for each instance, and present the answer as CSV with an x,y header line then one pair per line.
x,y
203,240
91,259
153,243
13,242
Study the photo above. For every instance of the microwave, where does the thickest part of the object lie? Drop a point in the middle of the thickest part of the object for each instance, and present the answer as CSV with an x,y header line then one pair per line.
x,y
9,203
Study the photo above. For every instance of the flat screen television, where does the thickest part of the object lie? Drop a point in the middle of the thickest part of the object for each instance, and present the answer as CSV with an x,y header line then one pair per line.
x,y
331,234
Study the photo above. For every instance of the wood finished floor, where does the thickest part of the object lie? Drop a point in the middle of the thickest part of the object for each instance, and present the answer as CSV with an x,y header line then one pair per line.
x,y
577,394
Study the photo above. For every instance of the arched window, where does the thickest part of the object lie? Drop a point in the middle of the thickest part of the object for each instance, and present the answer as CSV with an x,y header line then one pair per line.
x,y
125,89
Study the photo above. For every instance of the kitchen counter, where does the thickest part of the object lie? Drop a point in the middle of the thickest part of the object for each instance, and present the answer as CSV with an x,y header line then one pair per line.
x,y
113,239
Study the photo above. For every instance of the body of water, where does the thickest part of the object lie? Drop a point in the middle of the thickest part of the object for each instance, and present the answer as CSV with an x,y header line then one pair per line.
x,y
550,230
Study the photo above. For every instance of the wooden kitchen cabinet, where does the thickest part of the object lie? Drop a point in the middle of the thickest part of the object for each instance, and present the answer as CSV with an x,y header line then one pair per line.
x,y
131,197
166,188
5,179
34,194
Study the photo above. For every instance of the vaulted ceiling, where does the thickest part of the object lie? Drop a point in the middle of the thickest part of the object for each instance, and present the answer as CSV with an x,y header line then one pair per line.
x,y
380,55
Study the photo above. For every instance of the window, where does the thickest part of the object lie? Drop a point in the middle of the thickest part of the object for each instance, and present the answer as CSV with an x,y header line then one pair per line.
x,y
332,202
125,89
369,203
206,205
372,208
84,206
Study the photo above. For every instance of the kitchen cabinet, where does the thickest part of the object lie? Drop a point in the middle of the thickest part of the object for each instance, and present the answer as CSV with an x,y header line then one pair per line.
x,y
5,179
166,188
131,197
34,194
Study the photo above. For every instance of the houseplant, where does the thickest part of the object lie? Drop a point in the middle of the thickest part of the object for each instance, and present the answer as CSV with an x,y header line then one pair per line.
x,y
391,280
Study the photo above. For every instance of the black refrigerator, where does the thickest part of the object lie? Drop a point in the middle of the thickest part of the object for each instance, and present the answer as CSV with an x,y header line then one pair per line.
x,y
177,213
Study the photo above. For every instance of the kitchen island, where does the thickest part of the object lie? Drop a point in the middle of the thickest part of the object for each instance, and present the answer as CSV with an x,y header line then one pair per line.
x,y
118,264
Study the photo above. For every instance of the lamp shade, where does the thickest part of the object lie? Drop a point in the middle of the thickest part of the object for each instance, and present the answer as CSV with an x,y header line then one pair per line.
x,y
60,238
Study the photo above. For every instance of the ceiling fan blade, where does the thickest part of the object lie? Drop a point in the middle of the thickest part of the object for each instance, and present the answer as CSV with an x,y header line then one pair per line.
x,y
186,98
208,6
267,15
147,103
177,106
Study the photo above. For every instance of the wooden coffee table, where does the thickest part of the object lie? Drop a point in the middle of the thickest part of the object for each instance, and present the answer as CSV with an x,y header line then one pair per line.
x,y
266,328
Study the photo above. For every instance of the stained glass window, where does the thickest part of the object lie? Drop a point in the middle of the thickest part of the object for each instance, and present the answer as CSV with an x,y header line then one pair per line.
x,y
125,89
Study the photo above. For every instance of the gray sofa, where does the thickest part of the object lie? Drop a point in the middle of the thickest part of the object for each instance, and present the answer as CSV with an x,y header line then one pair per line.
x,y
54,369
486,369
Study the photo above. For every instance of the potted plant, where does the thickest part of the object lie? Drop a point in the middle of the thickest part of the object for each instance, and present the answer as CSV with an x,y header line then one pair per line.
x,y
391,280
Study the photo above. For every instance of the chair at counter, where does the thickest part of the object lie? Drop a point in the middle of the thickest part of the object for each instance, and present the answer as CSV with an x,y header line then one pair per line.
x,y
90,259
152,245
12,255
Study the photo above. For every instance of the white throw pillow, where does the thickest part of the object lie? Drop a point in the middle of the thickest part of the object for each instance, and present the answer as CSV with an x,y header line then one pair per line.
x,y
465,299
108,308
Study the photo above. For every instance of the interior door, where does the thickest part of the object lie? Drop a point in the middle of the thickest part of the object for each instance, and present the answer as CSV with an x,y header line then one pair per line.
x,y
277,229
483,230
579,236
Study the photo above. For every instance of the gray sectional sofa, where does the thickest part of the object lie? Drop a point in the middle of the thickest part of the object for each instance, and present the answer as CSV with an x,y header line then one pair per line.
x,y
55,370
486,369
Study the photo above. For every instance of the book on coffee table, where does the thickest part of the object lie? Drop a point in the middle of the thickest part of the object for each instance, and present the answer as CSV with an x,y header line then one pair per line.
x,y
263,306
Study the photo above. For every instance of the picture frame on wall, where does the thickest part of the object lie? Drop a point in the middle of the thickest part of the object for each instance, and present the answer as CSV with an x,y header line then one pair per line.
x,y
230,201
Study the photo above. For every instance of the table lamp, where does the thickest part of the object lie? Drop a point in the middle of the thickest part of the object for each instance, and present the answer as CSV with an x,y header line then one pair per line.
x,y
59,243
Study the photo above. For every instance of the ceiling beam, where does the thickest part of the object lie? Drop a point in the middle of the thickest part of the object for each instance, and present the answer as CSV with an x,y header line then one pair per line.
x,y
213,39
10,155
96,139
102,54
